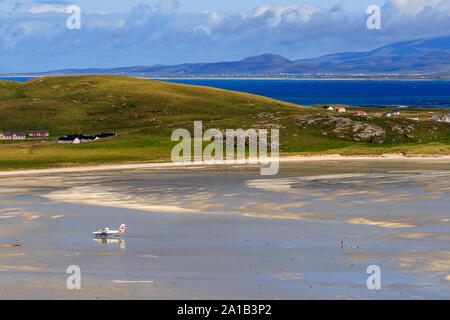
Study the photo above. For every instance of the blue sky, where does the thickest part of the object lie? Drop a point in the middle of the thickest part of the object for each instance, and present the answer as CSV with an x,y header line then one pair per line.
x,y
34,37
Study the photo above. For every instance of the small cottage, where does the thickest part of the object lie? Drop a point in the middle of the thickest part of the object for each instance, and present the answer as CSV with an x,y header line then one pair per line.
x,y
359,113
12,136
79,138
73,138
340,109
65,140
38,133
435,117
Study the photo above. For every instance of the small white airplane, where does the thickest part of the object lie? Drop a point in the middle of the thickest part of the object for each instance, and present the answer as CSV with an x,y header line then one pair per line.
x,y
105,232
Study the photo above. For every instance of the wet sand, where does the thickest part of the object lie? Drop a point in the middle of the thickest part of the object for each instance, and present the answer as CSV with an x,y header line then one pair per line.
x,y
208,232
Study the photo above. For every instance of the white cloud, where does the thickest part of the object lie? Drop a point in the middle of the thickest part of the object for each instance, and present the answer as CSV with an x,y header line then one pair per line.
x,y
261,10
276,14
202,28
444,6
302,13
47,8
167,7
414,7
214,17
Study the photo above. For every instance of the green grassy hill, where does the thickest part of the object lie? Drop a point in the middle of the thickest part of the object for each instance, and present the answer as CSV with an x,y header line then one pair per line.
x,y
144,113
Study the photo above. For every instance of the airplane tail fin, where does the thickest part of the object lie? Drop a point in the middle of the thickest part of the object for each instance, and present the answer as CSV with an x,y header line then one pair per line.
x,y
122,228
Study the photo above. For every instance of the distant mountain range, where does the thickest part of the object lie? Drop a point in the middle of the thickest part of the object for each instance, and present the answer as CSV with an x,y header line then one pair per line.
x,y
418,58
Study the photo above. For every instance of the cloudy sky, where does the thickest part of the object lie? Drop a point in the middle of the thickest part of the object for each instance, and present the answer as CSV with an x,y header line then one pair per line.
x,y
34,35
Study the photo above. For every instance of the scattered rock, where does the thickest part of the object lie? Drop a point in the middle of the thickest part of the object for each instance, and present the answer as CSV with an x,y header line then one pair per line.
x,y
403,129
154,121
86,85
81,101
345,128
59,86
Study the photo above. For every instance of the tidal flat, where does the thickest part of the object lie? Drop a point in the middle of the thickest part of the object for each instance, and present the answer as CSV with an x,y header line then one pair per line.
x,y
226,232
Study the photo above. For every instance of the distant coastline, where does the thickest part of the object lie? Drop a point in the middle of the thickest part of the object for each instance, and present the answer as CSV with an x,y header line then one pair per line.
x,y
296,79
2,77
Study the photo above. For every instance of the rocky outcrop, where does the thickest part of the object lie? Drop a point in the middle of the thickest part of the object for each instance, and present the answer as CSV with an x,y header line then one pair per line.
x,y
344,128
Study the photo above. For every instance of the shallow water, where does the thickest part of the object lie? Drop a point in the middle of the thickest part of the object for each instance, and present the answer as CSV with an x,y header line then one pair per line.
x,y
227,232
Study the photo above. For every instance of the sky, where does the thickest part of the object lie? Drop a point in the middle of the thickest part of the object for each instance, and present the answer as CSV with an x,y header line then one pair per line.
x,y
34,35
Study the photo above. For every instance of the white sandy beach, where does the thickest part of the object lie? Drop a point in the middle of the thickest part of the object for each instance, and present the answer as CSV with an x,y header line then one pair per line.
x,y
295,158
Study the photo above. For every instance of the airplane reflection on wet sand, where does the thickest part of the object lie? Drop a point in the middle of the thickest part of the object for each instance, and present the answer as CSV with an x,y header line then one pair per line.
x,y
121,242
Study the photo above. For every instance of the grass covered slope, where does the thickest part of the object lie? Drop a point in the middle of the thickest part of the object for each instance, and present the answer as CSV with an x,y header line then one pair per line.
x,y
144,113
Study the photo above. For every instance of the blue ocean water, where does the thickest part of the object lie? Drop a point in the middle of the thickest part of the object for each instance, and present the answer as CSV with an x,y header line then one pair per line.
x,y
310,92
21,79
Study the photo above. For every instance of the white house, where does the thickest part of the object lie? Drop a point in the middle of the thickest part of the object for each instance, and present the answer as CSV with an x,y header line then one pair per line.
x,y
340,109
12,136
446,118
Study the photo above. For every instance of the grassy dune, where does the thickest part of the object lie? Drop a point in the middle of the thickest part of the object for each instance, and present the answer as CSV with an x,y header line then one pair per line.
x,y
144,113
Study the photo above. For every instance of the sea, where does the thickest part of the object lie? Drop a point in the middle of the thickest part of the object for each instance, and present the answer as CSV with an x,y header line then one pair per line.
x,y
348,92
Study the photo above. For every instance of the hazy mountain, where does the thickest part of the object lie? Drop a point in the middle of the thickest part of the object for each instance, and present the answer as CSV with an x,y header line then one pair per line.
x,y
420,57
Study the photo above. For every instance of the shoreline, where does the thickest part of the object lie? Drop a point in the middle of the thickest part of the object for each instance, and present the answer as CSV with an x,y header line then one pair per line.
x,y
297,79
290,158
239,78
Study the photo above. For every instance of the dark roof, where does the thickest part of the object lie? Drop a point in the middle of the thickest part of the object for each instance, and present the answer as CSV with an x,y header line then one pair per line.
x,y
105,135
79,136
71,137
38,131
10,134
